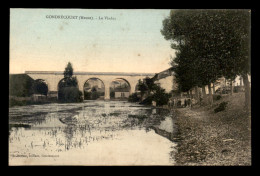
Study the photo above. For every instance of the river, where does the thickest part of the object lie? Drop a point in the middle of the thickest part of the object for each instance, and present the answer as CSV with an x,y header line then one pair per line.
x,y
90,133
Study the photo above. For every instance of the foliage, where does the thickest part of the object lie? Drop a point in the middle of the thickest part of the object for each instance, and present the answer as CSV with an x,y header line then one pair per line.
x,y
217,97
209,44
17,102
155,92
14,102
69,82
147,101
20,85
222,106
151,86
68,71
134,98
142,87
68,87
70,94
146,85
185,72
160,96
87,95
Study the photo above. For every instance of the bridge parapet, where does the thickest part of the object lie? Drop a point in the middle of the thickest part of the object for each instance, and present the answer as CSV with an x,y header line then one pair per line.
x,y
92,73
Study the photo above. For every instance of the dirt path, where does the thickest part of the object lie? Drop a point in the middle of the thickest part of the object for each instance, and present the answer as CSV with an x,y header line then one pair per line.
x,y
209,138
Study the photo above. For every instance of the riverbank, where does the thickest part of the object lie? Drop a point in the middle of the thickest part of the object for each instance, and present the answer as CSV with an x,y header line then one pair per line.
x,y
209,138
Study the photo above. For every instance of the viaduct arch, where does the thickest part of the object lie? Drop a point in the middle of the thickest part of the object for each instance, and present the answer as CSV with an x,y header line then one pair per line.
x,y
54,77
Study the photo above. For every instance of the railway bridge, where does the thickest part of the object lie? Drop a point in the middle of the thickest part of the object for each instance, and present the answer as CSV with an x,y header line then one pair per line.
x,y
53,78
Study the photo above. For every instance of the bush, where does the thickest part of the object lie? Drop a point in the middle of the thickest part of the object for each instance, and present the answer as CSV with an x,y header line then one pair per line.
x,y
161,97
87,95
20,85
134,98
147,101
70,94
222,106
14,102
217,97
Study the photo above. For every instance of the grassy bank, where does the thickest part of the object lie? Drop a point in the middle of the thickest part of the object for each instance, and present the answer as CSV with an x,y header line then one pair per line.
x,y
209,138
13,102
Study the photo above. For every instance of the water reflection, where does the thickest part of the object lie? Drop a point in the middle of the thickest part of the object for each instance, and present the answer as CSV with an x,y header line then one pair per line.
x,y
93,133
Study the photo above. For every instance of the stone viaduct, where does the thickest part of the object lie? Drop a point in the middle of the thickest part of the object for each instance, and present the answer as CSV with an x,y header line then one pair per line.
x,y
53,78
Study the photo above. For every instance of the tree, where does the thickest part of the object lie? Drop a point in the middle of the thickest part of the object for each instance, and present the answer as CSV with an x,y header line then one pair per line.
x,y
215,42
184,73
150,85
160,96
142,87
68,71
20,85
68,87
195,65
154,93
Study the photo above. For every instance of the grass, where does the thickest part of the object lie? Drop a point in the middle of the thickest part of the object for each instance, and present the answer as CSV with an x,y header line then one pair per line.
x,y
209,138
13,102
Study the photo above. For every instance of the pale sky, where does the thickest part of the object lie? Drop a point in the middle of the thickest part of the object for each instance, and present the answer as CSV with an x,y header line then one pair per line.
x,y
130,43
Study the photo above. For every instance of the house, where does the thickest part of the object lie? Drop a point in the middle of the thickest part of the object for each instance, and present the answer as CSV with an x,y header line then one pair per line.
x,y
166,80
122,94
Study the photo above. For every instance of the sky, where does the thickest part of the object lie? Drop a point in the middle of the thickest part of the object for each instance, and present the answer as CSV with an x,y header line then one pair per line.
x,y
129,41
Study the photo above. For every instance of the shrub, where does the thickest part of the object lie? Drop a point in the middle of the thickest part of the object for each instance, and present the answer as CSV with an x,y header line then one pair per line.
x,y
217,97
222,106
87,95
161,97
70,94
14,102
20,85
134,98
147,101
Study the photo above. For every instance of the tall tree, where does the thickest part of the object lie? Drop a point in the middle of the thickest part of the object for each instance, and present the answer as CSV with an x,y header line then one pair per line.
x,y
68,71
142,87
68,87
217,41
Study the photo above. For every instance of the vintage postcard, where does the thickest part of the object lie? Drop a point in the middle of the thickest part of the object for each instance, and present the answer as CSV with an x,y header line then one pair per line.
x,y
105,87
